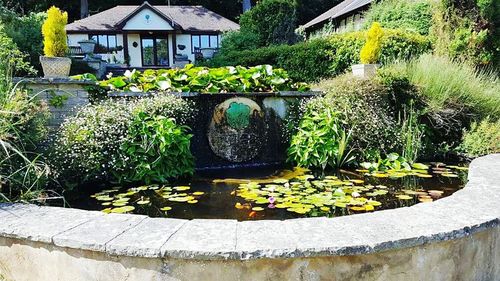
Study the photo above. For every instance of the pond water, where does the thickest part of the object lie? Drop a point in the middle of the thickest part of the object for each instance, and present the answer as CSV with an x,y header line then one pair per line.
x,y
277,193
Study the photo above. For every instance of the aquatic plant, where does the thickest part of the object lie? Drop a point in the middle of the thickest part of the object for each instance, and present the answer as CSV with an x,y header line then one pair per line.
x,y
155,149
321,141
262,78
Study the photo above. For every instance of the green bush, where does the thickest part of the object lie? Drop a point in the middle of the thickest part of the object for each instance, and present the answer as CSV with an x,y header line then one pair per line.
x,y
273,21
368,109
156,149
482,138
410,15
262,78
91,144
326,57
321,140
239,41
26,33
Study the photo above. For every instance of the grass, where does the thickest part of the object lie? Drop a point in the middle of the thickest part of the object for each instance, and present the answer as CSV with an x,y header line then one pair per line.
x,y
444,82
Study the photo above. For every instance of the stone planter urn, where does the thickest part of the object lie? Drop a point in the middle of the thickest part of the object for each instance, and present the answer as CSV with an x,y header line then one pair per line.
x,y
55,67
87,46
365,71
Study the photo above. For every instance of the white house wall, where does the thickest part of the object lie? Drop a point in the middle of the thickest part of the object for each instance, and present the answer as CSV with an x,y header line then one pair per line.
x,y
185,39
147,20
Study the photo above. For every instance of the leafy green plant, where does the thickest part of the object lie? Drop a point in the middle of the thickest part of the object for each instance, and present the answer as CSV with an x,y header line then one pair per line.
x,y
326,57
392,162
412,134
89,146
56,100
156,150
263,78
321,141
482,138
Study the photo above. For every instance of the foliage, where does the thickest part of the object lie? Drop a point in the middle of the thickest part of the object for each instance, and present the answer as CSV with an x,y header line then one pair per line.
x,y
482,138
412,134
392,162
26,33
273,21
12,61
371,50
90,145
368,109
54,33
468,30
326,57
262,78
410,15
22,120
156,149
447,84
238,41
321,141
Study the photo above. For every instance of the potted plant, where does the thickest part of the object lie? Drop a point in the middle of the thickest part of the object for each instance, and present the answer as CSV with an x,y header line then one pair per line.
x,y
54,63
87,46
370,53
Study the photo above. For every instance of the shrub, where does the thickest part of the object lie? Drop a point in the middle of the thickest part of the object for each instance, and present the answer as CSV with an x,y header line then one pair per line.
x,y
91,145
368,111
409,15
239,41
156,149
262,78
273,21
325,57
12,61
321,140
370,52
482,138
26,33
54,33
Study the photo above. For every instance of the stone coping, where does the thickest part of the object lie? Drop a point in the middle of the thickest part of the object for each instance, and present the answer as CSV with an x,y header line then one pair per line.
x,y
470,210
196,94
52,81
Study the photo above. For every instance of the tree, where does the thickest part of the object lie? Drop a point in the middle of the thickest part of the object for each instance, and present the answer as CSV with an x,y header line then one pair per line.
x,y
274,21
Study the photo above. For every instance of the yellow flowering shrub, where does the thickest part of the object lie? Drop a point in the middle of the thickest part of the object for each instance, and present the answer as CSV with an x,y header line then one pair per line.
x,y
370,52
54,33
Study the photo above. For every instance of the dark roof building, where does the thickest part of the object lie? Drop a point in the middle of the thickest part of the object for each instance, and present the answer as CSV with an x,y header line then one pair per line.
x,y
340,16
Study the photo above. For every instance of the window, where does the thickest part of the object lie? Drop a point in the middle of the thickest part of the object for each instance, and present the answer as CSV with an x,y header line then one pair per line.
x,y
204,42
105,43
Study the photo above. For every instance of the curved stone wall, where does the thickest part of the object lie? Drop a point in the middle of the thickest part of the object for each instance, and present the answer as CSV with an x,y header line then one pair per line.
x,y
455,238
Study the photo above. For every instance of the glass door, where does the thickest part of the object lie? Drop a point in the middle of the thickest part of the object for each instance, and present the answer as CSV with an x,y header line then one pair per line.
x,y
154,51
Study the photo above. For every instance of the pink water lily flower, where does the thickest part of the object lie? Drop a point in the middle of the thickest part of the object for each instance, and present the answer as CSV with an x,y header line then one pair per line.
x,y
272,200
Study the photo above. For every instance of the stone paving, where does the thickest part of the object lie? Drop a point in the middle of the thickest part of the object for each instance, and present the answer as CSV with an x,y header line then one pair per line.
x,y
469,211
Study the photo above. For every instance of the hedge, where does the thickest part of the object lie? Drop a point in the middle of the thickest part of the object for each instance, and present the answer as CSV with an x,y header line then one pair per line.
x,y
326,57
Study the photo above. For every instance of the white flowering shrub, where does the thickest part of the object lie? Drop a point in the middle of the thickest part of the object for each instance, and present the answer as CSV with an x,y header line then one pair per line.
x,y
89,145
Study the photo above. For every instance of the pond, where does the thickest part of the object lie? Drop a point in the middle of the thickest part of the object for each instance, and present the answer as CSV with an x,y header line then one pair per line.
x,y
277,193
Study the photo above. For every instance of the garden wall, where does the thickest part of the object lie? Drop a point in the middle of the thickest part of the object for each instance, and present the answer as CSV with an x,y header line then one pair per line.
x,y
63,95
455,238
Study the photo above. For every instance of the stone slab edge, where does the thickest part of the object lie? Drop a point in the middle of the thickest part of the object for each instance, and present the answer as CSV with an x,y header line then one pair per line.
x,y
483,176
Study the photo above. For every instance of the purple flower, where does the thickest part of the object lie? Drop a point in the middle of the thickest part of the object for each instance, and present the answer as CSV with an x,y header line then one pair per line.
x,y
272,200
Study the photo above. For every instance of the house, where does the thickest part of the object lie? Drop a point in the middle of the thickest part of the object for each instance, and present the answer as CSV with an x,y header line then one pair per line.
x,y
348,15
148,36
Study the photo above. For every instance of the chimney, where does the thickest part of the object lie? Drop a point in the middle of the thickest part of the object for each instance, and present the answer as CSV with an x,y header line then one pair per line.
x,y
247,5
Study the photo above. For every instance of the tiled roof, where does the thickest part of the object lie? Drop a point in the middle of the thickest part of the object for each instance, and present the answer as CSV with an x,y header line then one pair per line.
x,y
343,8
189,18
